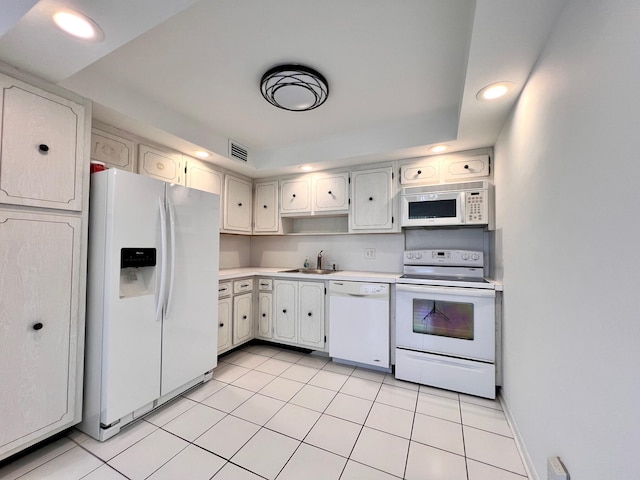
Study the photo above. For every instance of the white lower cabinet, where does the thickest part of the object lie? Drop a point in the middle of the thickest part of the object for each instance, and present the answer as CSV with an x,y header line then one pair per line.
x,y
242,318
299,313
265,306
225,308
41,342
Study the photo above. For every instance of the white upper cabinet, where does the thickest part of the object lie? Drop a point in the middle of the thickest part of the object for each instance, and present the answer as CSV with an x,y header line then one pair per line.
x,y
265,208
330,193
160,164
460,168
372,200
42,151
113,151
203,176
295,196
424,171
237,204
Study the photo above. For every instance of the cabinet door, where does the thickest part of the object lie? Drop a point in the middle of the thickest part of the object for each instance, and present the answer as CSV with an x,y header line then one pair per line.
x,y
424,171
311,314
331,193
285,310
242,319
202,176
295,196
266,208
372,202
224,324
39,316
237,204
42,155
160,164
265,304
113,151
457,168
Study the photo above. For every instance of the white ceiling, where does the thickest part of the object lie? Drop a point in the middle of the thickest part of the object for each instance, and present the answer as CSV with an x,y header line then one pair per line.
x,y
403,75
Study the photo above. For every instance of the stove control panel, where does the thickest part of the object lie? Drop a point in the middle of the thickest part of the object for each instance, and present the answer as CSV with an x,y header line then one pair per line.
x,y
453,258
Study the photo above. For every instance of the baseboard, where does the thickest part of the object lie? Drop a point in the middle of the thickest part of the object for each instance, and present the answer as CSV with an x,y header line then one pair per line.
x,y
524,454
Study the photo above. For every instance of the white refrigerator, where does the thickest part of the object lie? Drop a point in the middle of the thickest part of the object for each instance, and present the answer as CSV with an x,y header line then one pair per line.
x,y
151,296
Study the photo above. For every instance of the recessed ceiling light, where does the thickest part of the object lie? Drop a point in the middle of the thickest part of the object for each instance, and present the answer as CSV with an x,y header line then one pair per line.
x,y
494,91
306,168
201,154
78,25
439,148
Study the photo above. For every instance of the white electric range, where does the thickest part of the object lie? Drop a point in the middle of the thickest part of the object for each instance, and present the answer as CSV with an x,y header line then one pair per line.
x,y
446,322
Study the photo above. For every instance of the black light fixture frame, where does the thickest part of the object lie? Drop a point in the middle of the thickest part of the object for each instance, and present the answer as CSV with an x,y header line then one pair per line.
x,y
296,75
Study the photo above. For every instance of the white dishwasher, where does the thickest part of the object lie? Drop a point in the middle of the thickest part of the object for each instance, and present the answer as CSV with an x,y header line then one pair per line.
x,y
359,322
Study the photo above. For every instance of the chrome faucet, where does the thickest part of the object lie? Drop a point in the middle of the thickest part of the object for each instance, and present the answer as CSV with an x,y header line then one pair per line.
x,y
319,265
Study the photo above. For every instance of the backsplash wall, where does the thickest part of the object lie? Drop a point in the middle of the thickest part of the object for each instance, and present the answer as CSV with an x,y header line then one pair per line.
x,y
235,251
346,251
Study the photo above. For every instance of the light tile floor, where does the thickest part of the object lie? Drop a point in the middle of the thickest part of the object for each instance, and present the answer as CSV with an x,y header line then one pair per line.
x,y
271,413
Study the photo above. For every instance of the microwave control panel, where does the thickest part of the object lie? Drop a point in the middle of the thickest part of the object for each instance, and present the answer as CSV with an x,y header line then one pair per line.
x,y
476,207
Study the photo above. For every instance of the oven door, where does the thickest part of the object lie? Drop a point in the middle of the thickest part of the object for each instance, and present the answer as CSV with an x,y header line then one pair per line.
x,y
428,209
458,322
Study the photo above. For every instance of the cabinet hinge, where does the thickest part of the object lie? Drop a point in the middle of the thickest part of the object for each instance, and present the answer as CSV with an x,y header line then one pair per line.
x,y
392,219
349,202
392,175
185,169
325,290
349,180
325,339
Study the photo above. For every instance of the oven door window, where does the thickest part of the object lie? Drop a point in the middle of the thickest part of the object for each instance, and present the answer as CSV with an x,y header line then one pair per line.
x,y
433,209
446,319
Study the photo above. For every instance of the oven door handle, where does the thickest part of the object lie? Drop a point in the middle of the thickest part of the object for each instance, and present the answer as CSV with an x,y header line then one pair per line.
x,y
428,289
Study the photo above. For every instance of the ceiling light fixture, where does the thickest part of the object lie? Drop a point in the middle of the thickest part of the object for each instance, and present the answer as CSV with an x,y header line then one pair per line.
x,y
306,168
494,91
78,25
439,148
201,154
294,87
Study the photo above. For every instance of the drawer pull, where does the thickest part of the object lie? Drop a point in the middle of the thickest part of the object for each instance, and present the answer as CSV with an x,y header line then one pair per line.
x,y
264,314
222,325
284,311
264,206
38,326
43,148
466,167
244,317
309,314
239,204
371,199
329,192
294,195
419,172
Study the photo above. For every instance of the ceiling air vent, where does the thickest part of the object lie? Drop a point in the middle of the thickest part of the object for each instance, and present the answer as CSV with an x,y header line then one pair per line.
x,y
237,151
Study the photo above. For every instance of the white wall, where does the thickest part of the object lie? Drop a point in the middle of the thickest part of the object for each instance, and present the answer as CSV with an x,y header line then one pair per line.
x,y
568,193
235,251
346,251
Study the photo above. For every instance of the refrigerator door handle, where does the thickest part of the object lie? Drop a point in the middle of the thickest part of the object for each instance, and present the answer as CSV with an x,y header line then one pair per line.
x,y
172,232
163,262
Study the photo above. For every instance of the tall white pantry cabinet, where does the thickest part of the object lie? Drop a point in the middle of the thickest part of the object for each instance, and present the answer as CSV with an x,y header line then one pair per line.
x,y
44,181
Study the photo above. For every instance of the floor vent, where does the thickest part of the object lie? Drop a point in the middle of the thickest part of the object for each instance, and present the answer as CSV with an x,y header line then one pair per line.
x,y
237,151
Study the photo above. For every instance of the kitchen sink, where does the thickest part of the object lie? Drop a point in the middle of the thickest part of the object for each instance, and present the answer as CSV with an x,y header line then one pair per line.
x,y
309,270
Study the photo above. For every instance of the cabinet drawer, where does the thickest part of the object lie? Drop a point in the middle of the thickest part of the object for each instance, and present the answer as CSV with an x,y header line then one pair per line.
x,y
224,289
245,285
265,284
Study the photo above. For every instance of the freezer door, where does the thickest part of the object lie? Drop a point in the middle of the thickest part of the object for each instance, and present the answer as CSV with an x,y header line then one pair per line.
x,y
131,331
190,326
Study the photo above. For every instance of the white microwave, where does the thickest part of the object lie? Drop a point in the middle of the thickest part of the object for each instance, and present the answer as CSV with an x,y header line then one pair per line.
x,y
468,203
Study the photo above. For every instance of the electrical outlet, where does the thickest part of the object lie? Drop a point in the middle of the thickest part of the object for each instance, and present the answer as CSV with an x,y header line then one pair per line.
x,y
556,470
370,253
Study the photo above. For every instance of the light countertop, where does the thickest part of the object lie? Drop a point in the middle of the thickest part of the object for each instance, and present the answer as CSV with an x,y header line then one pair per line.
x,y
356,276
